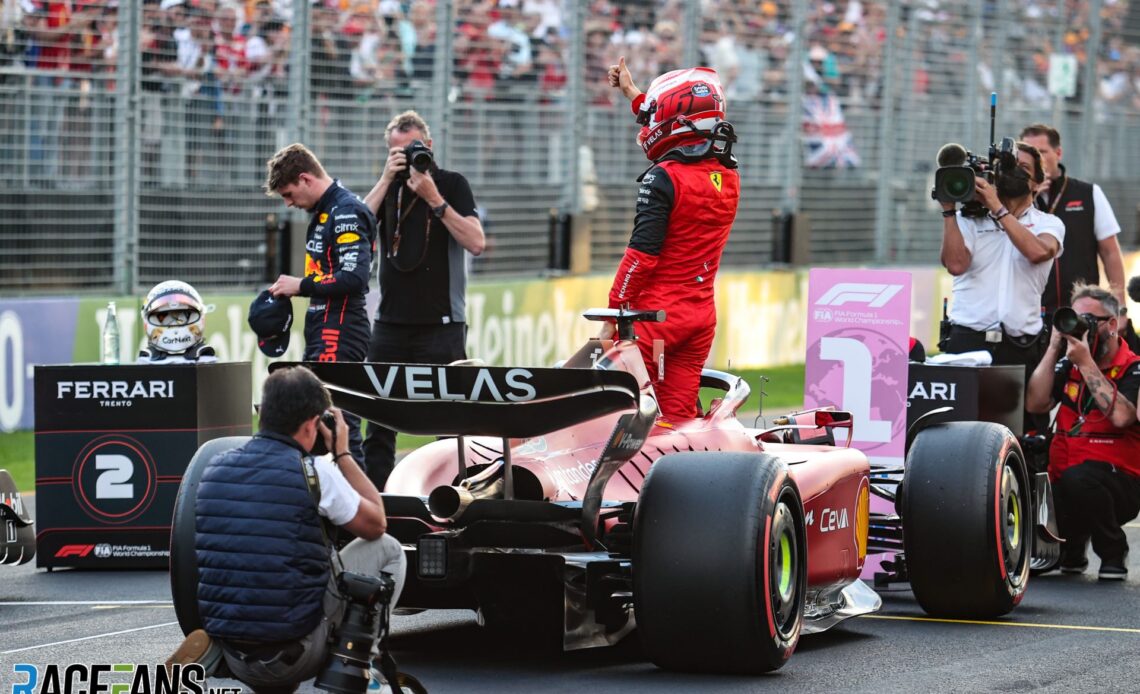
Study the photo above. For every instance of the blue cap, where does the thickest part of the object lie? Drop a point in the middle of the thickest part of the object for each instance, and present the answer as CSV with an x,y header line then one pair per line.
x,y
270,318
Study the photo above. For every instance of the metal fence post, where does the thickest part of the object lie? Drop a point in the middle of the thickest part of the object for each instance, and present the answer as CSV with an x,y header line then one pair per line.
x,y
576,97
691,35
441,79
127,134
972,103
1088,139
886,129
793,126
300,61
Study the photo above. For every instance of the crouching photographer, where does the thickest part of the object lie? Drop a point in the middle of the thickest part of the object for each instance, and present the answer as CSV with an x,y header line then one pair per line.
x,y
999,250
1094,460
279,603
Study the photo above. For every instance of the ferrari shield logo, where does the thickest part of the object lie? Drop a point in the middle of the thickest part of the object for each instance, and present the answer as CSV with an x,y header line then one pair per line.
x,y
715,177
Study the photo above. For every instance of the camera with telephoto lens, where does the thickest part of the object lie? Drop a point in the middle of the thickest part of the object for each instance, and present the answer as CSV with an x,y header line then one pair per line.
x,y
419,157
1077,325
329,420
348,669
958,167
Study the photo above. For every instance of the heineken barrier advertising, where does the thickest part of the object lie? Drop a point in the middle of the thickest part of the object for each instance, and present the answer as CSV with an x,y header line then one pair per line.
x,y
761,322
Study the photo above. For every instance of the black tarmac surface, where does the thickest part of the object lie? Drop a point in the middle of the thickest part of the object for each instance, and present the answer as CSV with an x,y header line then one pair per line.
x,y
1071,634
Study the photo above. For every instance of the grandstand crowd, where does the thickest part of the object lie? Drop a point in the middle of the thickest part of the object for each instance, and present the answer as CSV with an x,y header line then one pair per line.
x,y
518,49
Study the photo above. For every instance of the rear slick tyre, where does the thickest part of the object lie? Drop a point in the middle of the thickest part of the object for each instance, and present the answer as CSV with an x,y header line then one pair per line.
x,y
183,559
719,563
967,520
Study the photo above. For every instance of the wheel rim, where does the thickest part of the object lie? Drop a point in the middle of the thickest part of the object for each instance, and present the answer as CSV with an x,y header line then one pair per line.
x,y
1012,518
783,560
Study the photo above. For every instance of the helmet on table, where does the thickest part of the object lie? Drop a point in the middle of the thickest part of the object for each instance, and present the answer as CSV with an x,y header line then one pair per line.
x,y
174,317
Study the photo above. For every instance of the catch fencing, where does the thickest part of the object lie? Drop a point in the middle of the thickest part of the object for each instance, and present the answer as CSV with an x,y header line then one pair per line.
x,y
133,135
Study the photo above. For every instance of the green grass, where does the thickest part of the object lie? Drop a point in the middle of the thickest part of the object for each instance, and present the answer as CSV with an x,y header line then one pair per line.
x,y
785,391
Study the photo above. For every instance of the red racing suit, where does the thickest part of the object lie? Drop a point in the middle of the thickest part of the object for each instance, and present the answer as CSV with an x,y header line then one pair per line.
x,y
685,210
1096,438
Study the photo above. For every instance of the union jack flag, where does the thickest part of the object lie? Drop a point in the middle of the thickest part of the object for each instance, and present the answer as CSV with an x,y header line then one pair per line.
x,y
827,142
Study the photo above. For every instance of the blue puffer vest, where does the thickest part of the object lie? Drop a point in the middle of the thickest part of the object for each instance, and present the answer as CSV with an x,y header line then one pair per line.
x,y
262,562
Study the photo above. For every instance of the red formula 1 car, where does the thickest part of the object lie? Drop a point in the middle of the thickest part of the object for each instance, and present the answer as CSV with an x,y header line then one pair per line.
x,y
561,506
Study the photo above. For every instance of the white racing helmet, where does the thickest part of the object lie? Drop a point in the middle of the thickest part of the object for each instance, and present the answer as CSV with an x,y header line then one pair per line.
x,y
174,317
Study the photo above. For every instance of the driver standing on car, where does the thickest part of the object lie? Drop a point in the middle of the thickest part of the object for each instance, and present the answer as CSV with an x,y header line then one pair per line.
x,y
1094,460
686,204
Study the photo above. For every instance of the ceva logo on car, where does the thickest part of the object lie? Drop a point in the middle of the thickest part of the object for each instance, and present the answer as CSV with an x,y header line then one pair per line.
x,y
830,519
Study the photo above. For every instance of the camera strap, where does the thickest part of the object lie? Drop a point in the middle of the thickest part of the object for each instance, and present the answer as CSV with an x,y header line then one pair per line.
x,y
308,468
397,220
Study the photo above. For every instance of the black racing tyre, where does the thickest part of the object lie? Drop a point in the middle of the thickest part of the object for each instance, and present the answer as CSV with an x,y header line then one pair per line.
x,y
183,562
965,503
719,562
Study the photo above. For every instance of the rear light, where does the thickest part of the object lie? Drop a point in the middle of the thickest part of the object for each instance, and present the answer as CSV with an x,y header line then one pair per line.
x,y
432,556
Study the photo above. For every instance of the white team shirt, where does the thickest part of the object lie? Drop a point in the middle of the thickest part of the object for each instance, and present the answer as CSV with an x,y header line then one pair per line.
x,y
1001,287
339,501
1104,219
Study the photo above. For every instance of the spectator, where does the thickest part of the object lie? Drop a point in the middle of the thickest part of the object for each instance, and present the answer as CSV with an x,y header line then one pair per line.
x,y
331,54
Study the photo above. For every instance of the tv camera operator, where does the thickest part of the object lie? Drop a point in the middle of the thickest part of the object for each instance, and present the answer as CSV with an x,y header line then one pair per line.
x,y
998,247
428,224
1094,459
279,604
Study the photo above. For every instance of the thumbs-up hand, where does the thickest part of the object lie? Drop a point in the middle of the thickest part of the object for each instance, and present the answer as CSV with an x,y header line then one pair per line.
x,y
619,77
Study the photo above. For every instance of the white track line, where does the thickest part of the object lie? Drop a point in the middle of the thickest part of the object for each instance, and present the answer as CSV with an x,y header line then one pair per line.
x,y
88,638
17,603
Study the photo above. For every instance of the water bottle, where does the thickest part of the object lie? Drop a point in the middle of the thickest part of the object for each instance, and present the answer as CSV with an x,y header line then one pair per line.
x,y
111,336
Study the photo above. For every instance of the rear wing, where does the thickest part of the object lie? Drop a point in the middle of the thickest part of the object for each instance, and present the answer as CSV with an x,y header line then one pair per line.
x,y
505,402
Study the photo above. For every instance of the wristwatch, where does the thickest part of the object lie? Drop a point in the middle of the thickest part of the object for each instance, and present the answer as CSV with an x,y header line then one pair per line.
x,y
438,211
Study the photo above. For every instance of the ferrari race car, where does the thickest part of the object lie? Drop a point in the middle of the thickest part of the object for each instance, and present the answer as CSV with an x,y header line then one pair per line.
x,y
558,504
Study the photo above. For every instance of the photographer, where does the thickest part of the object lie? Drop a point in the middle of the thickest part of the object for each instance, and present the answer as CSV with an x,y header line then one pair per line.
x,y
428,224
1094,460
999,262
338,258
268,591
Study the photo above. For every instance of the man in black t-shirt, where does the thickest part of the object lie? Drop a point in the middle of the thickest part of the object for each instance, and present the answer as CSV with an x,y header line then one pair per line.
x,y
428,224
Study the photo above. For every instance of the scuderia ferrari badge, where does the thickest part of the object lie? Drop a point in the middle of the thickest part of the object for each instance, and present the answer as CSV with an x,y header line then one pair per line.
x,y
716,178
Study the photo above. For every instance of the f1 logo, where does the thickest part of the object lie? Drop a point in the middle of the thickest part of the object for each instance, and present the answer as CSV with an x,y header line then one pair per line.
x,y
874,295
74,550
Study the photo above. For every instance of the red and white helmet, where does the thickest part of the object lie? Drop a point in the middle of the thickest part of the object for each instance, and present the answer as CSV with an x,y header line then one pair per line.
x,y
680,108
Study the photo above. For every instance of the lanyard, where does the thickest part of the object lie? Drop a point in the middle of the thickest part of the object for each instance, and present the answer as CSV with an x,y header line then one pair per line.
x,y
394,248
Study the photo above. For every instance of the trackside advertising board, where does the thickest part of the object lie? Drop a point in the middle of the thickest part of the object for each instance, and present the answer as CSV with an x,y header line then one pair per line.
x,y
525,322
858,329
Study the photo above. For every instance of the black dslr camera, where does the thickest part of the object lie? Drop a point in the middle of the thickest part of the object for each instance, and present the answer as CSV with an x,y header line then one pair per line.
x,y
347,669
1077,325
329,420
419,157
957,168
